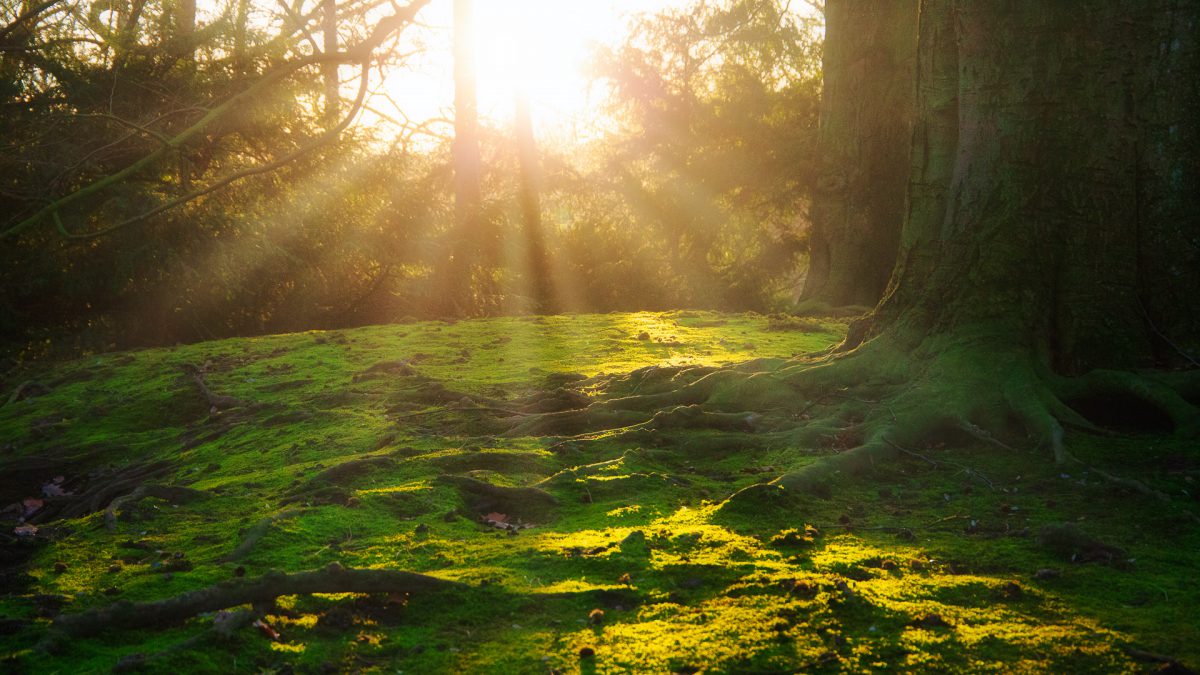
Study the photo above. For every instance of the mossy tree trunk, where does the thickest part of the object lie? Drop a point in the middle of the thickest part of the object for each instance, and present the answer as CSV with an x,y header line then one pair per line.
x,y
1054,172
865,134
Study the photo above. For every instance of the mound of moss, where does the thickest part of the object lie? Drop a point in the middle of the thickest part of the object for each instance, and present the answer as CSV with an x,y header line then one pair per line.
x,y
366,500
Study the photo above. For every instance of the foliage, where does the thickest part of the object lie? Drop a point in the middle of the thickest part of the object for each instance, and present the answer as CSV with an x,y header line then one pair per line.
x,y
696,199
717,105
93,88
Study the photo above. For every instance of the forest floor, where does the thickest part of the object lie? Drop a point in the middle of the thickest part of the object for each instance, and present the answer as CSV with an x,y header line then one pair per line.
x,y
136,477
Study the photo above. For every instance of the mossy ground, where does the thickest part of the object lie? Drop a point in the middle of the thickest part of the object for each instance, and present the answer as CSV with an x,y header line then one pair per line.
x,y
927,564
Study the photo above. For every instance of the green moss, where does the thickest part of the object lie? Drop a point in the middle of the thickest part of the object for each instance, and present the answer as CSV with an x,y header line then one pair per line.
x,y
848,581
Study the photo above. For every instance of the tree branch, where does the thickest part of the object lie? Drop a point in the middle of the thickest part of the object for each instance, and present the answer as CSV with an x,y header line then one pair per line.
x,y
31,13
363,52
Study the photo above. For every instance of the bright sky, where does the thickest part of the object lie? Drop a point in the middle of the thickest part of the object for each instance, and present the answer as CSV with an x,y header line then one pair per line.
x,y
542,45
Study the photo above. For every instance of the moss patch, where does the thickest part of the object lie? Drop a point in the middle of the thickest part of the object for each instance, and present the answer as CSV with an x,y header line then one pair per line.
x,y
379,448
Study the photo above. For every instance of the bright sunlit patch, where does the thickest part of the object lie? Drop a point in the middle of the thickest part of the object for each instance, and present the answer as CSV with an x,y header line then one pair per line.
x,y
541,47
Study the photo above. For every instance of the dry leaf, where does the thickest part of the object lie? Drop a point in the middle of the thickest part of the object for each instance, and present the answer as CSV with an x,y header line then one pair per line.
x,y
30,506
266,630
53,489
497,517
26,530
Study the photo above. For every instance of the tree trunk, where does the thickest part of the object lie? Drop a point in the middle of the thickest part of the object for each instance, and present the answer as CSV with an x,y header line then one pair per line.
x,y
536,265
453,281
185,28
240,25
865,135
1053,177
329,71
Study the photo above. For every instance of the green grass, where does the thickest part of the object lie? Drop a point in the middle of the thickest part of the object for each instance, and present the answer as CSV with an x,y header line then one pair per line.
x,y
920,567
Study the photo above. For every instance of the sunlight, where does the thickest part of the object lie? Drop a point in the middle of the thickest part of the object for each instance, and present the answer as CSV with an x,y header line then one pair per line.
x,y
540,47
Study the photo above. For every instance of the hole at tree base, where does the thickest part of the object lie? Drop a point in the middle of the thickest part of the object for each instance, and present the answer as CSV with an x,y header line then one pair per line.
x,y
1122,413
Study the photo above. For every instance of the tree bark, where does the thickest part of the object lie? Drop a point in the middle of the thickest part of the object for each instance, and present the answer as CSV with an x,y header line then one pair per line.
x,y
1054,169
185,28
536,265
454,283
329,71
865,135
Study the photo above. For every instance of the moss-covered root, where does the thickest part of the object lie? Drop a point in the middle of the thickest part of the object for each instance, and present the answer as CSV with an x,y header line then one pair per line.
x,y
975,390
660,398
175,494
332,578
1165,394
522,502
103,489
225,625
258,531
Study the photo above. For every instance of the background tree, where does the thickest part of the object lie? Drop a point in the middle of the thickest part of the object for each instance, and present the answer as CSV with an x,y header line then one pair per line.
x,y
108,130
529,195
272,216
866,132
454,280
715,153
1041,200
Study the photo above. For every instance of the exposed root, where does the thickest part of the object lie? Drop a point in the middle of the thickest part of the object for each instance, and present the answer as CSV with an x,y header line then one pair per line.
x,y
328,486
27,389
1184,416
332,578
216,402
574,422
172,493
870,404
523,502
101,491
258,531
225,624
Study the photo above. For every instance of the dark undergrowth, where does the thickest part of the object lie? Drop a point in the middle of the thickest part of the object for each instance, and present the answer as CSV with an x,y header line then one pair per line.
x,y
141,476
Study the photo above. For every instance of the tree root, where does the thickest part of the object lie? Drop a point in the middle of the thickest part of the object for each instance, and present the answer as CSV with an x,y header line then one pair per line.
x,y
216,402
225,624
171,493
103,489
1159,394
897,391
328,486
523,502
332,578
257,532
27,389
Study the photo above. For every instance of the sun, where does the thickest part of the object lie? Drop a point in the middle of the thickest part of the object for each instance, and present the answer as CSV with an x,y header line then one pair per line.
x,y
538,47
